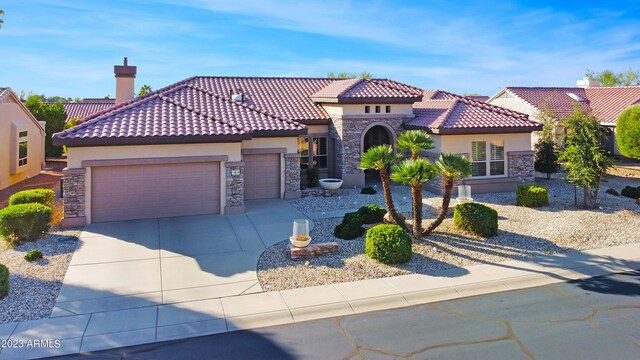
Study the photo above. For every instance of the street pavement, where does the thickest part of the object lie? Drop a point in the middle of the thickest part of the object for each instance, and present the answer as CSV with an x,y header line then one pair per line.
x,y
595,318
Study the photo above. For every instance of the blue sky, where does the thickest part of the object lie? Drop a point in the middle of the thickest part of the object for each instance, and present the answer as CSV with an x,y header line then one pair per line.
x,y
68,48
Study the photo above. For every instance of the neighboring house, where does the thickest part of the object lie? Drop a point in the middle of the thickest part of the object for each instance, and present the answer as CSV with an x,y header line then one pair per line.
x,y
207,144
21,141
606,103
86,107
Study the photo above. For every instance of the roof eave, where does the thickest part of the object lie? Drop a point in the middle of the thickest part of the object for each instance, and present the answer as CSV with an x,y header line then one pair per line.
x,y
148,140
478,130
280,133
369,100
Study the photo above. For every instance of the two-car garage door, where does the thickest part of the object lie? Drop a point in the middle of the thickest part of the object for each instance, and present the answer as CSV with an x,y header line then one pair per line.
x,y
158,190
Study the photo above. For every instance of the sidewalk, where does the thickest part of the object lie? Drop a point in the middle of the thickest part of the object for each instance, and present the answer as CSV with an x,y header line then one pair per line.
x,y
96,331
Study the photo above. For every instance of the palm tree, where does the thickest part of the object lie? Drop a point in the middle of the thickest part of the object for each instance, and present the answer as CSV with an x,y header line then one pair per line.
x,y
381,158
415,172
452,167
414,141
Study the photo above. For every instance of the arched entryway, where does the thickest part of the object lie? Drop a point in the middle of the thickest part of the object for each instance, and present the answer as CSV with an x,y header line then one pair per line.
x,y
374,135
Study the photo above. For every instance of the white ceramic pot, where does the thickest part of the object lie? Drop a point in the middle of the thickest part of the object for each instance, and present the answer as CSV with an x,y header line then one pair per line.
x,y
330,183
299,243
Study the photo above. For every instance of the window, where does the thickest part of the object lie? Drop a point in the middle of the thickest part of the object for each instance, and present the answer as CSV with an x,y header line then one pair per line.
x,y
367,109
497,158
23,134
22,153
387,109
303,150
320,152
377,109
479,158
315,156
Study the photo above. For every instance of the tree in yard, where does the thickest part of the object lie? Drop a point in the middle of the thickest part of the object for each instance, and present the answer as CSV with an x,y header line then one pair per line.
x,y
583,156
145,89
452,167
381,158
1,21
546,157
628,132
609,78
53,115
414,141
346,75
415,172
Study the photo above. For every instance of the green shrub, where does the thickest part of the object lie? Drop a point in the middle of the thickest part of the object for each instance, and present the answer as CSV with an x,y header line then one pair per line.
x,y
350,227
33,255
371,214
476,218
613,192
24,222
368,190
313,177
389,244
631,192
4,281
40,196
531,196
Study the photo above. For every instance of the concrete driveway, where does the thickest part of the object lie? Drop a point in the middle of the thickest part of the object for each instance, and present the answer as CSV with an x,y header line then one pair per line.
x,y
137,263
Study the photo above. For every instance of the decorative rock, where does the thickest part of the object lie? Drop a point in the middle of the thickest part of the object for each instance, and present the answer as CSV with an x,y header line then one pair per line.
x,y
638,202
313,250
331,193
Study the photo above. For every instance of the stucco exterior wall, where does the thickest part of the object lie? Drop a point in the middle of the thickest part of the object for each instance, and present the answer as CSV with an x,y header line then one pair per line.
x,y
12,112
335,110
318,129
461,144
515,104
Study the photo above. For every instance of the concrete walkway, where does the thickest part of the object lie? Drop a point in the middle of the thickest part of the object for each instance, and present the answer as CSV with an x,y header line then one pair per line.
x,y
102,330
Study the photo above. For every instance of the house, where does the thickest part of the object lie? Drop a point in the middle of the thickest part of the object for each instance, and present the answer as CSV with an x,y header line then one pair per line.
x,y
21,141
606,103
86,107
208,144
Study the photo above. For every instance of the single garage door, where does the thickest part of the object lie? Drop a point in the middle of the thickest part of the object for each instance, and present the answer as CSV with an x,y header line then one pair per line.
x,y
261,176
149,191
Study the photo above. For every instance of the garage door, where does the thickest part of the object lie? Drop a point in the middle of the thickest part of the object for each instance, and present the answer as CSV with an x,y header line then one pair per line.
x,y
261,176
148,191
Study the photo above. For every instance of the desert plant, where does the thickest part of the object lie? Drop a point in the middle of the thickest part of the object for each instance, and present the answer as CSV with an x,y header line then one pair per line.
x,y
40,196
531,196
350,227
628,132
476,218
389,244
631,192
368,190
24,222
452,167
4,281
415,172
381,158
546,156
414,141
33,255
313,177
371,214
613,192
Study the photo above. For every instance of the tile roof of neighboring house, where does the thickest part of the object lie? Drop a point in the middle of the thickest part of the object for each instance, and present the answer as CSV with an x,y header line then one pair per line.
x,y
606,102
441,112
4,91
366,91
481,98
86,107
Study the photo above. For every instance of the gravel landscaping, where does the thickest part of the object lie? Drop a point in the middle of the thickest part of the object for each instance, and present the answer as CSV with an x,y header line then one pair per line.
x,y
523,232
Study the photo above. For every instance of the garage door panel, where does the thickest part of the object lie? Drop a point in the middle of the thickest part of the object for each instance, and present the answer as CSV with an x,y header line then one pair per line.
x,y
148,191
262,176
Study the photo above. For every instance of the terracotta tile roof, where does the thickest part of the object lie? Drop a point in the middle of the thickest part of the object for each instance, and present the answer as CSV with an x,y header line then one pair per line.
x,y
481,98
4,91
442,112
86,107
367,90
607,103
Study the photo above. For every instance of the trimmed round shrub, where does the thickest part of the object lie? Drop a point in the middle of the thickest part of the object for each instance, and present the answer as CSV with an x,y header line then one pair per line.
x,y
613,192
628,132
389,244
531,196
371,214
368,190
350,227
476,218
24,222
40,196
631,192
4,281
33,255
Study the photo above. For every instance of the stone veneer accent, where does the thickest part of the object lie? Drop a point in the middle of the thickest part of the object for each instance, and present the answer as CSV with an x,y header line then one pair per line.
x,y
292,176
73,187
521,166
234,188
348,132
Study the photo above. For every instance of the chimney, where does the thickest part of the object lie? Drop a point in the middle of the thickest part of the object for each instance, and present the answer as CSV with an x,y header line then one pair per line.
x,y
587,82
125,78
